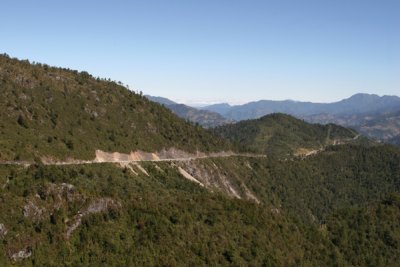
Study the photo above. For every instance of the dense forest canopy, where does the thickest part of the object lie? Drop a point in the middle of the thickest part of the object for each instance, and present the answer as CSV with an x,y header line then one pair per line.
x,y
48,111
281,135
338,206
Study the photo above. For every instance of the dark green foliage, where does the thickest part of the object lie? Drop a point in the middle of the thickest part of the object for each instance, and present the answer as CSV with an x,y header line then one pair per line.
x,y
60,113
339,208
22,122
311,188
164,220
395,140
341,177
282,135
368,236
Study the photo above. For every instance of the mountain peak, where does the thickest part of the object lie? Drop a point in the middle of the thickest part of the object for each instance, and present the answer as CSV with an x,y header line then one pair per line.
x,y
362,96
365,96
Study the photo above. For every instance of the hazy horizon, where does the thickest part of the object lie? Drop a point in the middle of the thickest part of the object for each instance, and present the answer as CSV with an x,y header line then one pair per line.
x,y
203,103
208,51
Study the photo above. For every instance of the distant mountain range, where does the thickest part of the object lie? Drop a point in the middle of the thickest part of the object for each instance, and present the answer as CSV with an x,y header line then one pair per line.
x,y
356,104
205,118
374,116
371,115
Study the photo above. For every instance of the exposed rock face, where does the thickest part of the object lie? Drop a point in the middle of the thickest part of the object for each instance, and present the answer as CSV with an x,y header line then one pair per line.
x,y
3,230
51,198
62,192
188,176
33,211
213,177
97,206
134,167
128,166
170,154
102,156
100,205
165,154
209,176
22,254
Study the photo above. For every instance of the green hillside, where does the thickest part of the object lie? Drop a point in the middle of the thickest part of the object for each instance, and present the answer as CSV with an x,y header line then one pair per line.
x,y
337,207
160,220
395,141
56,112
106,215
311,188
280,134
368,236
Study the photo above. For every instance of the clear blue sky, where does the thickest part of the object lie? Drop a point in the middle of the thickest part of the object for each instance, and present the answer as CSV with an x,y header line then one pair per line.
x,y
216,50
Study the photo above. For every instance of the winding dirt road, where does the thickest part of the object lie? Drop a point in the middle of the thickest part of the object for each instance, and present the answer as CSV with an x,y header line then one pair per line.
x,y
115,157
169,155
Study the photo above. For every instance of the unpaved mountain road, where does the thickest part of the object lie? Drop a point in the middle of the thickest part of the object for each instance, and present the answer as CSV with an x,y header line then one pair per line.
x,y
169,155
112,160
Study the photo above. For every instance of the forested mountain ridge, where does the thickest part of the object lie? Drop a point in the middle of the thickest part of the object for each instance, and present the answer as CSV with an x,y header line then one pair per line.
x,y
337,207
55,112
372,115
207,119
382,126
334,208
283,135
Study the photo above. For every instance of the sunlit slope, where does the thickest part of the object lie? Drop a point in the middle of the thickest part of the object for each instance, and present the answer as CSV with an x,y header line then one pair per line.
x,y
61,113
280,135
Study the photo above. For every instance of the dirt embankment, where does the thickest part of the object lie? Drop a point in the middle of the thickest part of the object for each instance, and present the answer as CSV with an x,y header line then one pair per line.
x,y
170,154
214,177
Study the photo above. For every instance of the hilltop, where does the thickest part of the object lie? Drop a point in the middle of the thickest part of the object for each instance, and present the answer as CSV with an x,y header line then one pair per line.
x,y
61,113
281,135
372,115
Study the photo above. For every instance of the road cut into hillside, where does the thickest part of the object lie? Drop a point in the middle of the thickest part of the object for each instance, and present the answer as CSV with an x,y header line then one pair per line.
x,y
170,154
